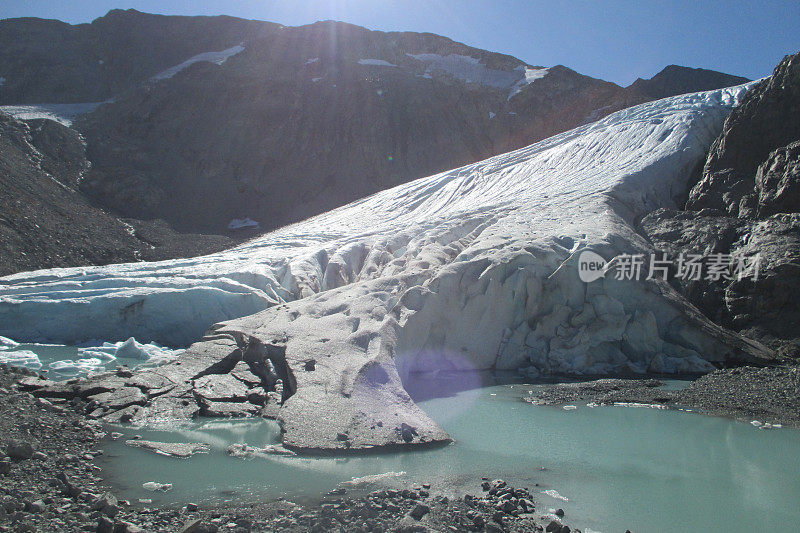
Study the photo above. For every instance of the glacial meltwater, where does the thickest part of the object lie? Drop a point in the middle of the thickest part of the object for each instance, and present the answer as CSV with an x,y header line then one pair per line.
x,y
609,468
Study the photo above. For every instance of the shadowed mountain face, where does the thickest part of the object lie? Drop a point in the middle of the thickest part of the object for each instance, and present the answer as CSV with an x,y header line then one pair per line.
x,y
675,79
46,222
318,116
216,118
54,62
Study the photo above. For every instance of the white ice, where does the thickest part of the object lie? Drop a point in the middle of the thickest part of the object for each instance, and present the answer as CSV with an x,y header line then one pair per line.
x,y
24,358
312,60
6,343
63,113
217,58
130,349
463,268
77,366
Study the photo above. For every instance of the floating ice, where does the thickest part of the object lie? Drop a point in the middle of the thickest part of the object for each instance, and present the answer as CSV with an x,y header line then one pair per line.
x,y
154,486
25,358
6,343
151,353
374,478
69,366
554,494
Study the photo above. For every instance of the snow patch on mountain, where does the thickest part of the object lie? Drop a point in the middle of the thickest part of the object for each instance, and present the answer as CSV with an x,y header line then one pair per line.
x,y
63,113
375,63
471,70
239,223
467,69
217,58
530,75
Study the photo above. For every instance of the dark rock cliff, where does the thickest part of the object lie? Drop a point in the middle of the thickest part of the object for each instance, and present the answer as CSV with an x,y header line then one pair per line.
x,y
747,203
45,222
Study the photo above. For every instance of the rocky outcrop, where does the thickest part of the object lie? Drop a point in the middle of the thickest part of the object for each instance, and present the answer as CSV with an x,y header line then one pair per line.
x,y
763,123
778,182
747,204
46,222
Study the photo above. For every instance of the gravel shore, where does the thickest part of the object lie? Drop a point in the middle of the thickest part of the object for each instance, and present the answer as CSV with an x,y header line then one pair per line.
x,y
49,482
769,395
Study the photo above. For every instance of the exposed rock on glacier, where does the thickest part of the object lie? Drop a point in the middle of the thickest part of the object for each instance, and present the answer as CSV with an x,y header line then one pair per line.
x,y
471,269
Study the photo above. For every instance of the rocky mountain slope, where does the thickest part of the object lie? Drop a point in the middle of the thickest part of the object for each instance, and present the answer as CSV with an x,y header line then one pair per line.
x,y
747,201
49,61
46,222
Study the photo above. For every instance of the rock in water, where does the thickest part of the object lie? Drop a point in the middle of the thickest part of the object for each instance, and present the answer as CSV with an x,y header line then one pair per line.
x,y
173,449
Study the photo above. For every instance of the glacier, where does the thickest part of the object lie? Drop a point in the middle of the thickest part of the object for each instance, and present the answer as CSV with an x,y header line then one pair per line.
x,y
466,270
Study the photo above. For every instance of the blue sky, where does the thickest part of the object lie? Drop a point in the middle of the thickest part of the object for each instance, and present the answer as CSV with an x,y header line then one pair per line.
x,y
613,40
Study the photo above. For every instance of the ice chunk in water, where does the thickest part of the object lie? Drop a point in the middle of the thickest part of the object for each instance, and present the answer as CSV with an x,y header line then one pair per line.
x,y
25,358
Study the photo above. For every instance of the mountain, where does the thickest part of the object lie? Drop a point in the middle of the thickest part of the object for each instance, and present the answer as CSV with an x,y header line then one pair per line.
x,y
291,127
217,119
49,61
675,79
44,220
475,268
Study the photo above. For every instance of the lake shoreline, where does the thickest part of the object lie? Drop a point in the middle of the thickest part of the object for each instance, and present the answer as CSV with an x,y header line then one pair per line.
x,y
50,482
764,396
53,481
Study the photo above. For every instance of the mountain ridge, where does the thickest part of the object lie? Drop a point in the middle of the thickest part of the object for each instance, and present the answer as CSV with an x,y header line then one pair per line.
x,y
250,119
